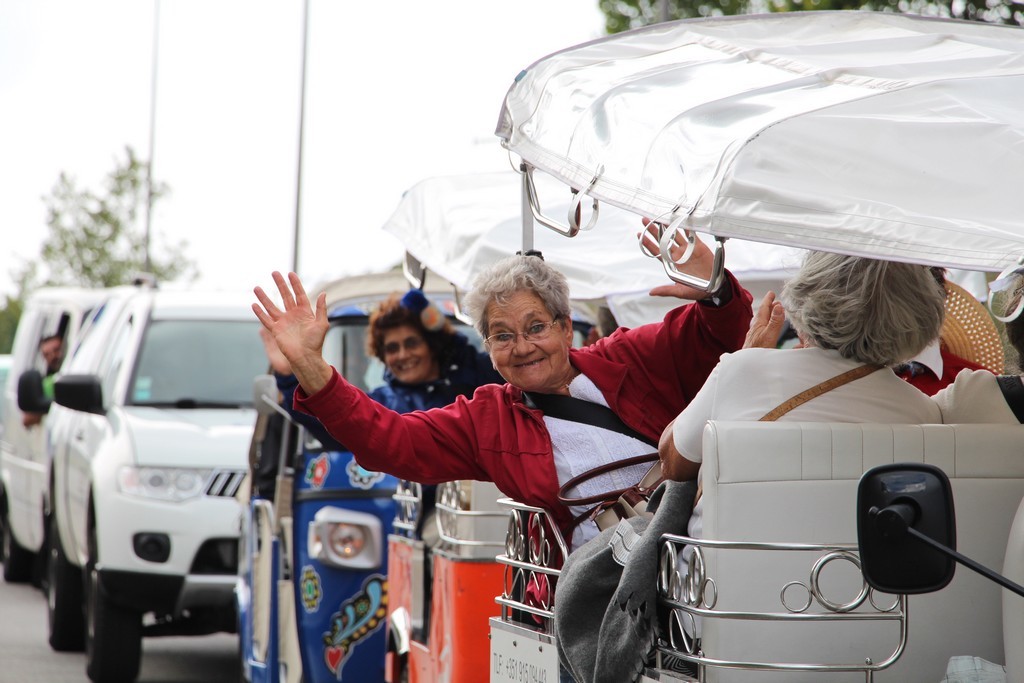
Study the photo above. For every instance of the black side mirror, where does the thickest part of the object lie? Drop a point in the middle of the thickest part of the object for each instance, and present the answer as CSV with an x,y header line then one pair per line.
x,y
31,397
79,392
906,530
892,499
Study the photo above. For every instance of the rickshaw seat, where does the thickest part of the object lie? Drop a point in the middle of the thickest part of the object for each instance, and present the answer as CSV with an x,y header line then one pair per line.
x,y
795,482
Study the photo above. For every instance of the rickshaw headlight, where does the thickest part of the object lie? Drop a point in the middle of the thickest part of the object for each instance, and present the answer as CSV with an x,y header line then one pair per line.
x,y
346,539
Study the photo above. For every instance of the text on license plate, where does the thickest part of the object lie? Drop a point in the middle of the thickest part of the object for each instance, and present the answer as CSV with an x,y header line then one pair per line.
x,y
520,659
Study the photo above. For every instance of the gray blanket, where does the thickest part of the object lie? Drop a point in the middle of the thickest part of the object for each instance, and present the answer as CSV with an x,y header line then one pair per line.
x,y
605,612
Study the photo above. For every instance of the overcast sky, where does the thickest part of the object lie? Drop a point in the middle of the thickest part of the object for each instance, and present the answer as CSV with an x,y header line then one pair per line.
x,y
395,92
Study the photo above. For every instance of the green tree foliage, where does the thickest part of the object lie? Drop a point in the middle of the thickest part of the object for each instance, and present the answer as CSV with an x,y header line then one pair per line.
x,y
25,280
10,313
97,239
621,15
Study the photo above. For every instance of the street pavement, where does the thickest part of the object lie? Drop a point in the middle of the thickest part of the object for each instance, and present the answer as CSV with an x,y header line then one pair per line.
x,y
26,657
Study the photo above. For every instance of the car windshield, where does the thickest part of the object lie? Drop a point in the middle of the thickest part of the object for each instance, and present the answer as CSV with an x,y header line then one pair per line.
x,y
197,364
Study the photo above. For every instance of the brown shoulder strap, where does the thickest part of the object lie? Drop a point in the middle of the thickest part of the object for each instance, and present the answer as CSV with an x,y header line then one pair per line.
x,y
818,390
568,486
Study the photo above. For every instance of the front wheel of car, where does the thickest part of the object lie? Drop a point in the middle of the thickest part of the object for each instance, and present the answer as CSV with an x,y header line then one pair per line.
x,y
113,642
17,560
63,597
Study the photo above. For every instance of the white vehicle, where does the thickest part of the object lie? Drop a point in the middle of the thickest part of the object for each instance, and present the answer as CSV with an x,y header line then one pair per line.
x,y
5,367
24,462
149,436
872,134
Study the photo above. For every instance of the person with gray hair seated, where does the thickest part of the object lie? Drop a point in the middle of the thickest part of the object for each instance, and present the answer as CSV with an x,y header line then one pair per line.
x,y
855,318
975,396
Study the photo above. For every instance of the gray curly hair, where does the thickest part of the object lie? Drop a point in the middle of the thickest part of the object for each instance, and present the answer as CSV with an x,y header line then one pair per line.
x,y
511,275
871,311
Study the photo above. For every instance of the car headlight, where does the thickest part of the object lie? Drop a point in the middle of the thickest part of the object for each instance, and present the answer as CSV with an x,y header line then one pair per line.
x,y
345,539
172,484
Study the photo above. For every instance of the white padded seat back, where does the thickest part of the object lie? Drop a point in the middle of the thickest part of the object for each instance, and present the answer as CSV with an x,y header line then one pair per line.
x,y
797,482
1013,604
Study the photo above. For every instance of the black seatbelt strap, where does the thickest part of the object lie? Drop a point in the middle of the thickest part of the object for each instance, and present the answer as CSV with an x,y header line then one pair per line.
x,y
587,412
1013,392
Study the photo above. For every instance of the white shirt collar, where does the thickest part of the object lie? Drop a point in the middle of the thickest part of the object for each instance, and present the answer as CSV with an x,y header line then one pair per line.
x,y
931,358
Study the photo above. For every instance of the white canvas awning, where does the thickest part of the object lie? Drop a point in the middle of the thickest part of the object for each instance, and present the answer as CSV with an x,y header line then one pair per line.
x,y
457,225
868,133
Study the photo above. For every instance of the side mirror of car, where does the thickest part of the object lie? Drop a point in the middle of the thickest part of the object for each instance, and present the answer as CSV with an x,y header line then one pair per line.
x,y
31,397
79,392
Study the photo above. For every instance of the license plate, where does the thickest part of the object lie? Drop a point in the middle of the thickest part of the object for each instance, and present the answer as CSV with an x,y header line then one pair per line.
x,y
521,656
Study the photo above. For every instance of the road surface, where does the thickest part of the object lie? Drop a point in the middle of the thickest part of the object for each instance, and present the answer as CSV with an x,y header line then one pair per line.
x,y
25,656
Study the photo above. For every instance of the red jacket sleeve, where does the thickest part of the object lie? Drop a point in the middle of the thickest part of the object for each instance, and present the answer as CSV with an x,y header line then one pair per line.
x,y
649,374
430,450
696,337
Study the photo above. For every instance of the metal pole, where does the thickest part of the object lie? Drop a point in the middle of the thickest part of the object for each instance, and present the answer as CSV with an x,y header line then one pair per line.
x,y
527,211
302,121
147,263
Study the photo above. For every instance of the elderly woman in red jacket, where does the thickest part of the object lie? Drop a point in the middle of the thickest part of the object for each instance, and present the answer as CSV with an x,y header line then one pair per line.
x,y
520,306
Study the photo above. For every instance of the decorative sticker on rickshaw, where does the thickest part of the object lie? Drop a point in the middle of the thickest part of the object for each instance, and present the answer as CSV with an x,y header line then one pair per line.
x,y
317,470
310,589
360,477
356,619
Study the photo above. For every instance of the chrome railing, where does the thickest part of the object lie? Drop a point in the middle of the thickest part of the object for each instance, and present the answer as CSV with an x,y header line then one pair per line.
x,y
688,596
462,529
534,552
408,499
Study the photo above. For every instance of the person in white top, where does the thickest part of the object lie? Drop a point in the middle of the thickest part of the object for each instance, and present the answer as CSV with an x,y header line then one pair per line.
x,y
974,397
849,313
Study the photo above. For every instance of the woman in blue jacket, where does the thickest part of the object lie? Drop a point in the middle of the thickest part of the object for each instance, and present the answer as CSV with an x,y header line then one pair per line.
x,y
427,362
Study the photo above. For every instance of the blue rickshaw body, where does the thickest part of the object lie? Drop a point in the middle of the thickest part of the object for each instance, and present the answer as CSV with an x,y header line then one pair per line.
x,y
256,670
340,612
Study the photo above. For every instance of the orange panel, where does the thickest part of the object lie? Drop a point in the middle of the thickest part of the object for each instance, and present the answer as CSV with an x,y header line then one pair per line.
x,y
462,602
399,587
421,664
399,576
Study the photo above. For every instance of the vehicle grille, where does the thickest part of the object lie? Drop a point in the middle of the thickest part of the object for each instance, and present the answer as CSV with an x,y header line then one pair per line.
x,y
225,483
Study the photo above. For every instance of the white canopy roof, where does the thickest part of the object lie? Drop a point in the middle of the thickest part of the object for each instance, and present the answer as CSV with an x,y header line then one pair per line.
x,y
868,133
457,225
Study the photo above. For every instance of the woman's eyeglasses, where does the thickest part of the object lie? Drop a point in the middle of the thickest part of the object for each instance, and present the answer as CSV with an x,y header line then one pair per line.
x,y
410,344
503,341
